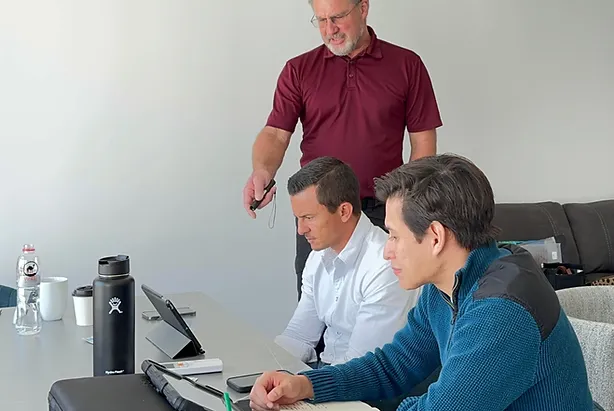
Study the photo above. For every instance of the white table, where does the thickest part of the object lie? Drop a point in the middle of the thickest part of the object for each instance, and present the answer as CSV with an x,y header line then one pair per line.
x,y
31,364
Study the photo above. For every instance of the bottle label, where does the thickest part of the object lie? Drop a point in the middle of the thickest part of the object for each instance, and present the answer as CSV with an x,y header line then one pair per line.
x,y
115,302
30,268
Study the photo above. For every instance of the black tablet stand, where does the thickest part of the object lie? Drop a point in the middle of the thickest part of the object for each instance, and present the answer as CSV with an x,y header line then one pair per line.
x,y
171,342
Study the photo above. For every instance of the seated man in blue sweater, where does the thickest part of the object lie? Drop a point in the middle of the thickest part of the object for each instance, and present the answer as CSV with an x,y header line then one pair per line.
x,y
487,315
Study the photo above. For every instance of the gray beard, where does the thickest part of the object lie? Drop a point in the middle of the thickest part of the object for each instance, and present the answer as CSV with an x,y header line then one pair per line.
x,y
349,45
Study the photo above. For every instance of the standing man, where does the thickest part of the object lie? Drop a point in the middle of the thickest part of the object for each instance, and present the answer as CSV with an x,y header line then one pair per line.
x,y
355,95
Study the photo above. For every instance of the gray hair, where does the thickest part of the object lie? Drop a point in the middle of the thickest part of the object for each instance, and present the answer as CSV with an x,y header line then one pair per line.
x,y
446,188
351,1
334,180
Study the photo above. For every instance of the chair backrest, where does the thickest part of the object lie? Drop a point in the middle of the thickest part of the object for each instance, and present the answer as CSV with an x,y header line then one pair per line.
x,y
588,303
591,313
8,297
597,343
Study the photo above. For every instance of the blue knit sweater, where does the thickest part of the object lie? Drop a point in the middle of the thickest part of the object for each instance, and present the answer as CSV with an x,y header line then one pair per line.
x,y
503,343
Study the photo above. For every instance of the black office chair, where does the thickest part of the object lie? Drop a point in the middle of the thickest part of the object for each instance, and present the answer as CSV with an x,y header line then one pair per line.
x,y
320,346
8,297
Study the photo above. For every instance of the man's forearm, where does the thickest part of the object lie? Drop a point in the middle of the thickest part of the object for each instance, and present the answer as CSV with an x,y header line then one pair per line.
x,y
365,378
302,350
269,149
419,153
423,144
305,327
384,373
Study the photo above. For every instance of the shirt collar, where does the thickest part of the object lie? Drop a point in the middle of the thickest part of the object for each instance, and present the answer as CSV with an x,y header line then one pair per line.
x,y
373,50
350,252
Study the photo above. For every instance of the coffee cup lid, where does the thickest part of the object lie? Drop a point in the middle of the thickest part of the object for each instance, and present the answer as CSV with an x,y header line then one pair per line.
x,y
84,291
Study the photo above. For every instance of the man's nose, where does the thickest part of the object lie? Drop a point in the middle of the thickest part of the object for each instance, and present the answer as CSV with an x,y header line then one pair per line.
x,y
302,228
331,28
388,254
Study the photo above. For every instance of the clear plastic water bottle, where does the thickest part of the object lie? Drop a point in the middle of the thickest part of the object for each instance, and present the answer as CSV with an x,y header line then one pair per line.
x,y
27,313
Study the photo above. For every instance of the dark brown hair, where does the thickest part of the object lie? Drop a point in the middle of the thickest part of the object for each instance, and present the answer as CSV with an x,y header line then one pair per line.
x,y
446,188
334,180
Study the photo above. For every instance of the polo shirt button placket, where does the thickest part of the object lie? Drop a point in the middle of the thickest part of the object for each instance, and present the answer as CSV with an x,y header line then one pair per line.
x,y
351,74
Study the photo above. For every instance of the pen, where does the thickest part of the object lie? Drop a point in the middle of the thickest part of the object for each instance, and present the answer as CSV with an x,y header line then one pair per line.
x,y
227,402
268,188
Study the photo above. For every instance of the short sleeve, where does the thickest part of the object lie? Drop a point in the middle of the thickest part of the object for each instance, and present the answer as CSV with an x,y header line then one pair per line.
x,y
422,110
287,100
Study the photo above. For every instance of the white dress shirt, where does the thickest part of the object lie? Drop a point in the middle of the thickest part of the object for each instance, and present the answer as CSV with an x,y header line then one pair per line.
x,y
354,294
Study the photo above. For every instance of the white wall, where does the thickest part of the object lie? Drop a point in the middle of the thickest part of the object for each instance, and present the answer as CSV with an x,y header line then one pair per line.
x,y
126,126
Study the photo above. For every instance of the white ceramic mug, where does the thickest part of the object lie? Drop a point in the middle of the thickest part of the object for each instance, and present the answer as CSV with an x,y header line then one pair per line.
x,y
84,305
53,296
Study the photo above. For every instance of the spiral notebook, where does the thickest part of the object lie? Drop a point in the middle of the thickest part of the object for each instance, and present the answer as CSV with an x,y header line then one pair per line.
x,y
307,406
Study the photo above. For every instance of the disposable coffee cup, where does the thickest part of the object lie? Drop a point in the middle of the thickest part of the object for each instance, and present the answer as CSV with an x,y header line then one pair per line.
x,y
83,301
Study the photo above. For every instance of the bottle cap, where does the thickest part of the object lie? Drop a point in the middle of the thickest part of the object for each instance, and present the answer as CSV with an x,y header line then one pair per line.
x,y
114,265
84,291
28,248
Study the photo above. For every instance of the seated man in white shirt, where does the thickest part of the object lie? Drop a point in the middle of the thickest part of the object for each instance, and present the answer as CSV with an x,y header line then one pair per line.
x,y
348,288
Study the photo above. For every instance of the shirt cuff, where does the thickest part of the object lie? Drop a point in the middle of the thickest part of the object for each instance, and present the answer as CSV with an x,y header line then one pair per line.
x,y
323,383
280,123
297,348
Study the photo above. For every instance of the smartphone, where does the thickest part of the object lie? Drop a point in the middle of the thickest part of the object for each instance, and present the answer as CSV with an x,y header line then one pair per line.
x,y
244,383
152,315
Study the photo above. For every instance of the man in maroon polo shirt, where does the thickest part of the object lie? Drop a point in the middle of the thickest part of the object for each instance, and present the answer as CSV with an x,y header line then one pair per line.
x,y
354,95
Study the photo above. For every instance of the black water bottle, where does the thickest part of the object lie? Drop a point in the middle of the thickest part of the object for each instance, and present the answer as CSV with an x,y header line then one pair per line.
x,y
113,317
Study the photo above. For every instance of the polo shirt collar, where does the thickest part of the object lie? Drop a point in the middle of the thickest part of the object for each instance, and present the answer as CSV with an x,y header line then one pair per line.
x,y
373,50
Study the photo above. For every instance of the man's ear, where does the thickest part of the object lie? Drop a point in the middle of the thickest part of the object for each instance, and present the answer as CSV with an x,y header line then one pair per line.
x,y
345,211
437,237
364,7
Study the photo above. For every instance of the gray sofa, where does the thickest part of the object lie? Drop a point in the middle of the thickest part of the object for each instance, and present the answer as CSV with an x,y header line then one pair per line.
x,y
585,231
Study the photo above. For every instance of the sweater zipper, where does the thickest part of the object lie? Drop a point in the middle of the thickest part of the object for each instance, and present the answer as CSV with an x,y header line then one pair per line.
x,y
450,301
455,303
454,307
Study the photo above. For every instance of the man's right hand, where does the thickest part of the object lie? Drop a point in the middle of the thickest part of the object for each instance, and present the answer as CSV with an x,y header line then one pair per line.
x,y
273,389
254,189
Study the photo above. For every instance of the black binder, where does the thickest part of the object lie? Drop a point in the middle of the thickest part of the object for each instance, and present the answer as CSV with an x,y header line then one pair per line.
x,y
150,391
125,392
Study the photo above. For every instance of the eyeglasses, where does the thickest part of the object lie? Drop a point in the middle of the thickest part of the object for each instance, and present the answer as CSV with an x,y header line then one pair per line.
x,y
321,22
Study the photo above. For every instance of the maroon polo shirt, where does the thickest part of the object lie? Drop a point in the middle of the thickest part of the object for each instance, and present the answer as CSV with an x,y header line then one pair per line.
x,y
356,109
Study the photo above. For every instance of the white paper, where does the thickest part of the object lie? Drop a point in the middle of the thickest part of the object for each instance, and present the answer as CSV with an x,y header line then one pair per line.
x,y
328,406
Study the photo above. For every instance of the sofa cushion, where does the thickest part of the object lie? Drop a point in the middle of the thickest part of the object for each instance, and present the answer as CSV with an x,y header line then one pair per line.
x,y
592,225
607,279
536,221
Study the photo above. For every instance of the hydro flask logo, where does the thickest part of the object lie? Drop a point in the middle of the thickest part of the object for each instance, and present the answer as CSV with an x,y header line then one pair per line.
x,y
115,303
